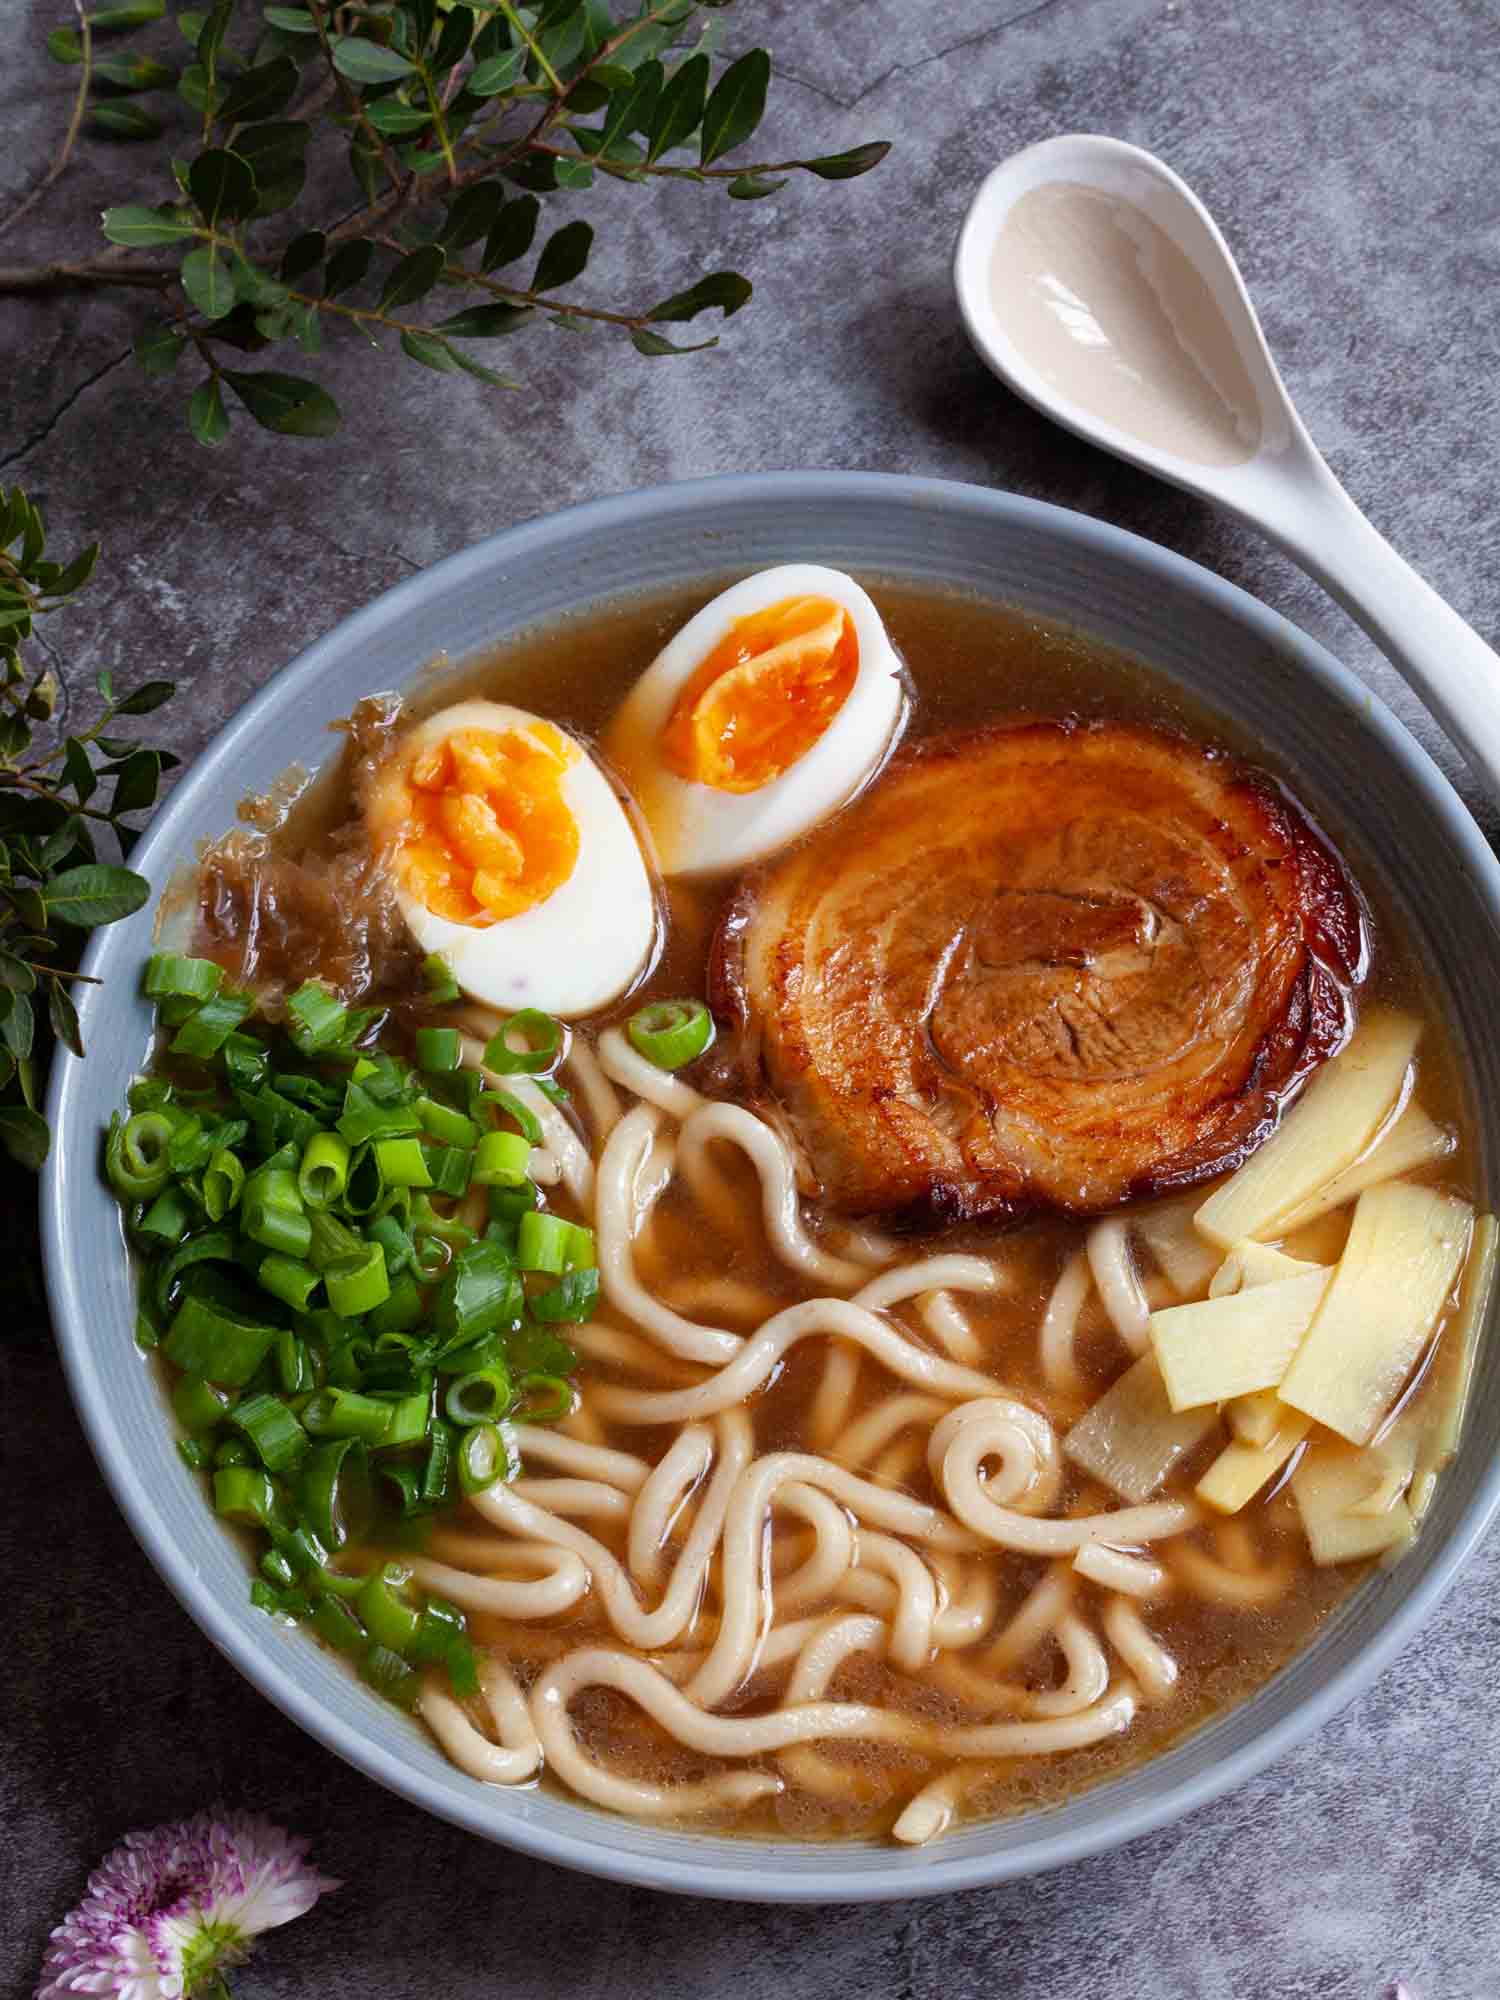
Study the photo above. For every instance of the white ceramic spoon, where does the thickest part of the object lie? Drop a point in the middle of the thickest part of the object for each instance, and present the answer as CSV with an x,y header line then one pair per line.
x,y
1096,284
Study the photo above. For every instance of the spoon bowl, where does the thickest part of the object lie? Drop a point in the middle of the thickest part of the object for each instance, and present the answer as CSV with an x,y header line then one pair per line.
x,y
1098,287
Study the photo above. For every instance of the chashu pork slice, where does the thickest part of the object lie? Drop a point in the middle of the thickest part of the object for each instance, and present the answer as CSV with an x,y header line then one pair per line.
x,y
1044,966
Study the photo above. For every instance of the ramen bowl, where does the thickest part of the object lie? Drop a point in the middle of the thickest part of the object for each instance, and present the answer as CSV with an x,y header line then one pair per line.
x,y
1277,688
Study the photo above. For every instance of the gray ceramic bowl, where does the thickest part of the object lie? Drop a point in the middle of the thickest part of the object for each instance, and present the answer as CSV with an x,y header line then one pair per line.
x,y
1344,750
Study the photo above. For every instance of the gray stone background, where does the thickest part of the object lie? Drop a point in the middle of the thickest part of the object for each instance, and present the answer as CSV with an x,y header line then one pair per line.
x,y
1351,149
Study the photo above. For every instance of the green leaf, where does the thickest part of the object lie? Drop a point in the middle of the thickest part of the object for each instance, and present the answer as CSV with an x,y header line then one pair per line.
x,y
145,699
291,20
25,1136
206,280
64,1017
477,368
197,93
136,783
486,322
573,173
158,347
513,232
140,228
846,166
124,121
16,976
496,73
633,109
260,93
453,42
223,184
94,894
395,119
347,266
253,285
564,255
138,14
18,1027
736,107
679,111
64,46
191,23
303,254
211,40
653,344
430,351
78,770
471,214
413,277
754,187
307,328
725,289
367,62
127,73
77,573
208,420
287,404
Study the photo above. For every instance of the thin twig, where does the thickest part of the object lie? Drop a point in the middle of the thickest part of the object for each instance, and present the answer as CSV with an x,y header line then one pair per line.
x,y
103,270
75,123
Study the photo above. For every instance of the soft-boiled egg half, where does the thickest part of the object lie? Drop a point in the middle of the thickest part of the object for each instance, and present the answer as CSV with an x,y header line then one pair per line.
x,y
513,859
767,711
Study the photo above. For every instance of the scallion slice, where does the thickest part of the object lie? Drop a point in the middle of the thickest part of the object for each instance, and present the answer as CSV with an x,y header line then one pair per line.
x,y
205,1340
438,1050
540,1041
574,1297
136,1155
270,1426
357,1285
345,1413
481,1397
401,1163
209,1026
317,1020
442,987
501,1159
169,976
323,1173
671,1033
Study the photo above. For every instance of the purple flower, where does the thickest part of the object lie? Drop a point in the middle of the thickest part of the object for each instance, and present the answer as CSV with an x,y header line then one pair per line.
x,y
169,1911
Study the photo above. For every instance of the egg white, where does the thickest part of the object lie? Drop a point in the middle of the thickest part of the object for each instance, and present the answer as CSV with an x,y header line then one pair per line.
x,y
700,830
578,948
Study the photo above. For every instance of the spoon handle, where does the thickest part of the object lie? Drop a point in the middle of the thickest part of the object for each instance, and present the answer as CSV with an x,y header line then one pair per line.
x,y
1432,648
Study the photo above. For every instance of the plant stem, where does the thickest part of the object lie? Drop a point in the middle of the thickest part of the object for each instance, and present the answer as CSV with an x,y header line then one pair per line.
x,y
519,28
103,270
70,137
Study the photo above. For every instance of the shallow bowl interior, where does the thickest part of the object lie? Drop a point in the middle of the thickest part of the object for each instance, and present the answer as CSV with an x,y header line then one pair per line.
x,y
1349,757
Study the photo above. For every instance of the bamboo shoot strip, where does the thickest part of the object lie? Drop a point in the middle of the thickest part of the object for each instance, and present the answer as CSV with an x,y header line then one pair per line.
x,y
1405,1250
1131,1438
1184,1258
1228,1347
1241,1470
1442,1431
1413,1140
1325,1132
1329,1483
1249,1264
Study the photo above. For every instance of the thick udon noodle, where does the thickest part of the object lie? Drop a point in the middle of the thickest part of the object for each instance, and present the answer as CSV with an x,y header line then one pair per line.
x,y
717,1584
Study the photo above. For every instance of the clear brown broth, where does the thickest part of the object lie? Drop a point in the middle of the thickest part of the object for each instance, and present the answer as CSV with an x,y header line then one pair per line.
x,y
970,661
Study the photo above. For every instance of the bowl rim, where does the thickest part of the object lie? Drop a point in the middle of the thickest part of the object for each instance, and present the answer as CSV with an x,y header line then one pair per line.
x,y
758,1878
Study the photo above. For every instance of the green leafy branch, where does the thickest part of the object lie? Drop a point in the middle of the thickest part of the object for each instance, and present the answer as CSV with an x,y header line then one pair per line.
x,y
56,801
457,120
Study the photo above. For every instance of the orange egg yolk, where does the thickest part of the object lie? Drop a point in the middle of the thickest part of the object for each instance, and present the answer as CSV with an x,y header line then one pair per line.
x,y
477,822
763,696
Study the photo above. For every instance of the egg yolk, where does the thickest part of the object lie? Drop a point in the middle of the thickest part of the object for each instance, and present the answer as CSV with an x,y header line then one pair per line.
x,y
763,696
478,823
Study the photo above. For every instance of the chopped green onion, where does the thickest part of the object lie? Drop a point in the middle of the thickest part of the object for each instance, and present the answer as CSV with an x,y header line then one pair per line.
x,y
388,1618
205,1340
524,1116
245,1060
550,1243
333,1491
438,1474
148,1093
442,987
234,1451
555,1394
147,1333
223,1183
286,1230
479,1292
290,1280
479,1398
244,1494
439,1050
401,1163
198,1405
390,1676
331,1241
135,1157
501,1159
359,1284
481,1457
448,1169
270,1426
275,1568
364,1117
324,1172
193,1452
167,976
671,1033
441,1121
400,1486
294,1365
403,1309
337,1626
409,1420
574,1297
317,1020
344,1413
210,1025
168,1218
541,1044
394,1241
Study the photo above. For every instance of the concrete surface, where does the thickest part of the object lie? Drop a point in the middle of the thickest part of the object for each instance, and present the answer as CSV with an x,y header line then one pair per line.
x,y
1351,149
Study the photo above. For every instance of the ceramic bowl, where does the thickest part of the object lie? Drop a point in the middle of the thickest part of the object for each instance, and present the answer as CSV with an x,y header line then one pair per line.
x,y
1377,790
